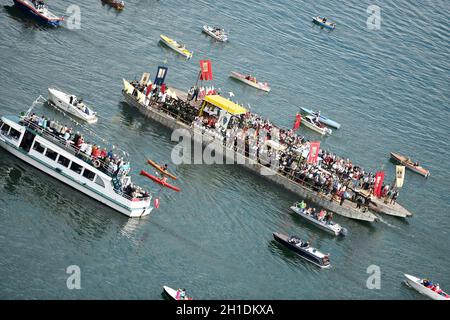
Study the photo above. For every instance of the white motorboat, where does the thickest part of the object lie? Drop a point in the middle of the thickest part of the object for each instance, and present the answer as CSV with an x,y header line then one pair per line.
x,y
310,122
330,226
72,105
174,294
216,33
251,81
428,291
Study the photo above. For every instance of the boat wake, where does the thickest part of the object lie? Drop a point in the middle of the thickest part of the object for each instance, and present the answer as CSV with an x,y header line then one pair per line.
x,y
380,219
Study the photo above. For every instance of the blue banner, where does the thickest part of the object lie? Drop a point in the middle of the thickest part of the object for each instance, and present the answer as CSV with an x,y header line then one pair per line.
x,y
160,76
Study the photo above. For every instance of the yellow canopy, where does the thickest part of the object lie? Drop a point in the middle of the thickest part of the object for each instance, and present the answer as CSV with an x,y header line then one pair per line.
x,y
225,104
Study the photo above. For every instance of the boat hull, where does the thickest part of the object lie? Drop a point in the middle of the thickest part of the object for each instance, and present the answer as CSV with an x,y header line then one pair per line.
x,y
30,11
68,181
206,30
169,43
59,99
154,164
158,180
283,239
319,224
414,283
402,160
323,119
325,25
240,77
322,131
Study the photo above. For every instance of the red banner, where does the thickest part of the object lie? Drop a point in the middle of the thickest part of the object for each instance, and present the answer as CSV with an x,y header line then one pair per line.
x,y
298,120
378,184
314,148
206,70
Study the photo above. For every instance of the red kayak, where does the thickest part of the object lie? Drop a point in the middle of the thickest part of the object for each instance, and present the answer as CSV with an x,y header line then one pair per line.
x,y
159,180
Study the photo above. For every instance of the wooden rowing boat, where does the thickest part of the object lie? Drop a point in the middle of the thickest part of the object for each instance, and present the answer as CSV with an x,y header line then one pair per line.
x,y
153,163
251,81
410,164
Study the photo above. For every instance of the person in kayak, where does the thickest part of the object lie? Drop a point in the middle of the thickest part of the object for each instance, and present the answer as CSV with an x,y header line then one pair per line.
x,y
165,167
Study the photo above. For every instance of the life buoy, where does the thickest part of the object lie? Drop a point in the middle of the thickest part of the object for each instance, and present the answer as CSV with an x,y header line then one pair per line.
x,y
97,163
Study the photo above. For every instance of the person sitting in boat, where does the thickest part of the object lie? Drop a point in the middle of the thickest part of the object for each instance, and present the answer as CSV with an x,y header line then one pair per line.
x,y
427,283
183,294
324,19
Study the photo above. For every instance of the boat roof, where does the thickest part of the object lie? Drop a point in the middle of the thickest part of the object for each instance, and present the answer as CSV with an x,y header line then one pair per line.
x,y
11,118
225,104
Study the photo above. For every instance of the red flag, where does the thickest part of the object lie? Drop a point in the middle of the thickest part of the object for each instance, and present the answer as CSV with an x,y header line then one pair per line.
x,y
206,70
156,203
298,120
378,184
163,88
314,148
149,88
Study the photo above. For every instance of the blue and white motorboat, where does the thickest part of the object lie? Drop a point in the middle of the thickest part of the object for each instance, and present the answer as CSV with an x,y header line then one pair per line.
x,y
323,119
38,9
324,23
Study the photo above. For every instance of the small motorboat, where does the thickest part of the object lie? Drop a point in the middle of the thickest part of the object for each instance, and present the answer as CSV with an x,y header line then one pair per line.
x,y
309,121
324,22
159,180
154,164
116,4
178,47
426,288
176,294
251,81
408,163
322,118
38,9
329,226
303,249
72,105
216,33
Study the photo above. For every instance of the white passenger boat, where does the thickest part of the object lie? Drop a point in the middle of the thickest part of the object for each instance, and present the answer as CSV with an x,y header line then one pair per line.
x,y
174,294
418,284
309,122
330,226
103,178
251,81
72,105
216,33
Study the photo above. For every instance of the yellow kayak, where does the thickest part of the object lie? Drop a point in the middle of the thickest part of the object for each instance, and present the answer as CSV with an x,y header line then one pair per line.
x,y
178,47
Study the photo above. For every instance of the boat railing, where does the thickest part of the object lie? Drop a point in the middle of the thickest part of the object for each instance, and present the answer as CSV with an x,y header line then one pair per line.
x,y
69,146
128,197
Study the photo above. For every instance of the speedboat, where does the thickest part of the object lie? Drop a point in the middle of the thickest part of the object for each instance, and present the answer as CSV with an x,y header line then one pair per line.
x,y
322,118
303,249
324,23
309,121
410,164
251,81
427,289
329,226
72,105
174,294
116,4
38,9
215,32
178,47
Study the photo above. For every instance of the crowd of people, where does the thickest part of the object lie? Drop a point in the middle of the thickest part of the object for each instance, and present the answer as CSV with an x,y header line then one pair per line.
x,y
248,133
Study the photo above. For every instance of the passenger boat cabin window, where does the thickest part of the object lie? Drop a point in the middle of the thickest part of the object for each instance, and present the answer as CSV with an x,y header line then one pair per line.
x,y
13,133
51,154
76,167
88,174
99,181
63,161
37,146
5,129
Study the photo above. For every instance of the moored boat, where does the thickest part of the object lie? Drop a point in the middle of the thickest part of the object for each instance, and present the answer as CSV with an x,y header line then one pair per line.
x,y
309,121
173,294
303,249
38,9
105,178
250,80
328,226
322,118
408,163
216,33
324,22
116,4
72,105
426,288
178,47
